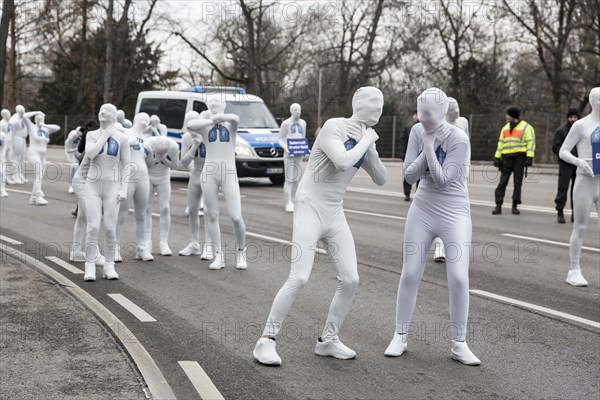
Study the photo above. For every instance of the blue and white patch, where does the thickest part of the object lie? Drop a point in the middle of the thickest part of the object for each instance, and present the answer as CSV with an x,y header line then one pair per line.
x,y
201,151
112,147
349,145
296,128
43,133
440,154
137,146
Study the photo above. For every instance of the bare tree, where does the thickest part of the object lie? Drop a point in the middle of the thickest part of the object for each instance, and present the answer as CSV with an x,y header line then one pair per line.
x,y
8,14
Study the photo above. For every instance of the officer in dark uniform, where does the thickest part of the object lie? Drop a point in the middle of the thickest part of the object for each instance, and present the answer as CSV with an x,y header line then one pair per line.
x,y
566,171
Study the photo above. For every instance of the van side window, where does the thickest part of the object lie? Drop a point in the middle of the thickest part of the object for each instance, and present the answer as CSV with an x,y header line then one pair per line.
x,y
199,106
170,111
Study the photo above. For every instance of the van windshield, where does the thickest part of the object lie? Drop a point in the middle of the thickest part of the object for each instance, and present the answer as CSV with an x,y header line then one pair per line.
x,y
252,114
170,111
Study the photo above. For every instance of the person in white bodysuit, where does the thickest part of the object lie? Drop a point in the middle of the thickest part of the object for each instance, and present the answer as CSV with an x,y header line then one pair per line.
x,y
138,189
8,152
162,155
193,155
106,186
292,128
71,144
438,154
155,128
3,147
341,148
20,128
586,192
38,145
125,123
453,118
218,133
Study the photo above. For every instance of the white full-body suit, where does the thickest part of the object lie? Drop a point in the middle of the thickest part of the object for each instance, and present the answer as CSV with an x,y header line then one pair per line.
x,y
71,153
341,148
125,123
155,128
20,127
106,186
7,143
138,189
453,118
163,154
218,133
292,128
3,146
193,156
38,146
438,154
586,192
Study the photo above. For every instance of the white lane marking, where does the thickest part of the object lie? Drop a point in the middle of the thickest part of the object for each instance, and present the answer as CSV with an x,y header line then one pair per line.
x,y
9,240
157,384
536,308
131,210
65,265
17,191
277,240
201,381
131,307
374,214
548,241
374,191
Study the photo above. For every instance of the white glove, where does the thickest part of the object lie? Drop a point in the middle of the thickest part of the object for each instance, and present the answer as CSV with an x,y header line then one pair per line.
x,y
370,135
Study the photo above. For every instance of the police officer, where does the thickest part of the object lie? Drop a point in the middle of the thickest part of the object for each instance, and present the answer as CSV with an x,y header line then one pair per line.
x,y
566,171
516,149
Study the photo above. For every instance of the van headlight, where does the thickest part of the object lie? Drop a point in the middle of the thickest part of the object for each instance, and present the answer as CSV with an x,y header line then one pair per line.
x,y
243,150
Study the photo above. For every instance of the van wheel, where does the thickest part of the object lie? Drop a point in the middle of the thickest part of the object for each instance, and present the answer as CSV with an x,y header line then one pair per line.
x,y
277,179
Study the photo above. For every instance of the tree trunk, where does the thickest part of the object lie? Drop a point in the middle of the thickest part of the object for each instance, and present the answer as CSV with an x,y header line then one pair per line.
x,y
109,62
83,54
12,101
8,12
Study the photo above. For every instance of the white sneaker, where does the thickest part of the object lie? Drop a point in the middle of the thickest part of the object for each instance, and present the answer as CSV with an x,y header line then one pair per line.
x,y
192,249
77,256
118,258
90,272
241,259
207,252
397,346
265,353
38,201
219,262
3,193
461,352
289,207
101,261
10,181
575,278
71,191
334,348
440,254
165,250
143,254
108,271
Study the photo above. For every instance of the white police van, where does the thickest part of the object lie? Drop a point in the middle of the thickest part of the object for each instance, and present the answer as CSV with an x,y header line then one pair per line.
x,y
257,152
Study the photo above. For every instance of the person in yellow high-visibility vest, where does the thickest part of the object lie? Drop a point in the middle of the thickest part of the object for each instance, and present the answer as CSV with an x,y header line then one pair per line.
x,y
516,149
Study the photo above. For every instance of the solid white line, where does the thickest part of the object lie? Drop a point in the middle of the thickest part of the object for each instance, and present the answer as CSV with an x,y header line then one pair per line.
x,y
374,214
276,240
65,265
9,240
17,191
536,308
201,381
548,241
131,307
375,191
157,384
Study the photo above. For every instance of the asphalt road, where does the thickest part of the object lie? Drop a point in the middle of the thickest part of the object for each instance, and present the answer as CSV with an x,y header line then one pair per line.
x,y
215,317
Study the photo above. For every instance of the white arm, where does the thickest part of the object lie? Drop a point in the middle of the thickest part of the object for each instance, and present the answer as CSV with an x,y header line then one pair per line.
x,y
415,162
281,139
92,147
188,149
454,167
333,145
374,166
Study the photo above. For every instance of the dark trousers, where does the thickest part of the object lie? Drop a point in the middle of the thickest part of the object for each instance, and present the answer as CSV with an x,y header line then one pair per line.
x,y
566,175
511,165
407,188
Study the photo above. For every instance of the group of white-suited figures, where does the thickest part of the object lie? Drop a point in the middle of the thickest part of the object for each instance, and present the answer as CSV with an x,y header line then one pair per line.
x,y
124,166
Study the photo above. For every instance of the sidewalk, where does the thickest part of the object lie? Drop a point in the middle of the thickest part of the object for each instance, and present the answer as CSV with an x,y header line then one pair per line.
x,y
51,347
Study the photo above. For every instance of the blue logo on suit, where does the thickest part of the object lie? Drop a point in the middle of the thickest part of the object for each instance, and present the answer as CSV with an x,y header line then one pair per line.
x,y
296,128
349,145
43,133
221,130
112,147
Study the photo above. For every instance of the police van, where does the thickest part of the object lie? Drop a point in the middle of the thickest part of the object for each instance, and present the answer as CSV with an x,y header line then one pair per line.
x,y
257,152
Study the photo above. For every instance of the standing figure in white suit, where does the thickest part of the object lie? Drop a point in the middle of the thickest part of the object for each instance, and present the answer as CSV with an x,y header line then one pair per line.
x,y
71,154
292,128
138,189
106,186
20,127
125,123
155,128
453,118
162,155
586,192
438,154
341,148
38,145
193,153
3,147
8,155
219,132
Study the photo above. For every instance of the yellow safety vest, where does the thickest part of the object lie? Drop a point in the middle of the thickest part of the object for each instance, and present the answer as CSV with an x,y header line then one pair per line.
x,y
520,140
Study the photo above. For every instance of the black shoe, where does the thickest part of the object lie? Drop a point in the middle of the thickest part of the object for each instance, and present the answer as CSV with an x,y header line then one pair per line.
x,y
74,212
406,198
515,210
572,217
560,217
497,210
